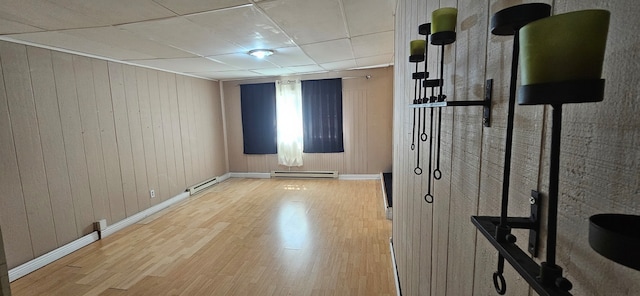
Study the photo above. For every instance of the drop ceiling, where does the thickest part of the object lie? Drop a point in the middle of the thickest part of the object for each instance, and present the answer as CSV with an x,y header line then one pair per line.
x,y
208,38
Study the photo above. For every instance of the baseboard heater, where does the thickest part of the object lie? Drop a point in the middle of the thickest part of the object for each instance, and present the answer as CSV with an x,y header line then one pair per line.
x,y
202,185
305,174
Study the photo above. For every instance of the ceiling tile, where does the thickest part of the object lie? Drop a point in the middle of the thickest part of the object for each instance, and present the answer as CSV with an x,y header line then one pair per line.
x,y
329,51
373,44
187,65
227,74
274,71
116,37
183,7
11,27
289,56
341,65
183,34
243,61
376,18
308,21
78,44
307,69
245,26
72,14
375,61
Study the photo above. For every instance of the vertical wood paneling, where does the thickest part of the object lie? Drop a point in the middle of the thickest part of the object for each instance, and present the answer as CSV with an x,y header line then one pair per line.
x,y
167,123
472,159
82,139
199,105
116,77
367,127
144,93
141,200
379,131
184,129
13,214
175,130
5,290
53,148
158,136
218,143
28,147
110,154
192,119
91,135
73,141
208,112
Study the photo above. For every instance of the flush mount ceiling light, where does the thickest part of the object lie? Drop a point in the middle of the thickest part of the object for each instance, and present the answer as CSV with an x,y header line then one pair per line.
x,y
261,53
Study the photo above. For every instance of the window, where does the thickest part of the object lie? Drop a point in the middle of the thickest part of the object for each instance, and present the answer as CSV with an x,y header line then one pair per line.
x,y
321,118
258,107
322,115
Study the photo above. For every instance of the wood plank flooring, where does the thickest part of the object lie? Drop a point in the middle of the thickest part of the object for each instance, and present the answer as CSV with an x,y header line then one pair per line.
x,y
240,237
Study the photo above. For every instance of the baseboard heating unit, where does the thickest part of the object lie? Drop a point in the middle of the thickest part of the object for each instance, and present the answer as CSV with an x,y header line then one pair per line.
x,y
305,174
202,185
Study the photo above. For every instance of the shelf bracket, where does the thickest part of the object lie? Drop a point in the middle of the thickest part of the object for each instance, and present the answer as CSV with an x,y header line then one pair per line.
x,y
486,103
521,262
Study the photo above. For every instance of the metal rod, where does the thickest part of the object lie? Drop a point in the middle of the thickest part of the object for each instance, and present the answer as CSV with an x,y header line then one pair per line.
x,y
418,170
415,101
441,71
429,197
554,171
509,138
437,174
423,136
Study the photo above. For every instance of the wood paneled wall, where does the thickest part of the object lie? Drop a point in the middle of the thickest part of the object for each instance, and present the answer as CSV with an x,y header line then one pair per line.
x,y
83,139
367,123
5,290
438,250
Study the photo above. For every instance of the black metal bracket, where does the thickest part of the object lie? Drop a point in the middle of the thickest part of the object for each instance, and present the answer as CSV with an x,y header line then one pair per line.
x,y
534,233
520,261
486,103
532,223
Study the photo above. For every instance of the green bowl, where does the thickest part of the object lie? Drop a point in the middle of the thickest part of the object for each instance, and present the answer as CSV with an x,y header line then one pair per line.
x,y
444,20
564,47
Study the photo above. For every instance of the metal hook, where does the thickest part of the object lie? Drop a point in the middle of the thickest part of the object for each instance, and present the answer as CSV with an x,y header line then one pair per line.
x,y
418,171
428,198
499,283
437,174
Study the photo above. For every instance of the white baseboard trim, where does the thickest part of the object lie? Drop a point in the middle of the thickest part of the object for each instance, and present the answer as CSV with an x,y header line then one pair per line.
x,y
73,246
340,177
395,267
360,177
251,175
113,228
224,177
54,255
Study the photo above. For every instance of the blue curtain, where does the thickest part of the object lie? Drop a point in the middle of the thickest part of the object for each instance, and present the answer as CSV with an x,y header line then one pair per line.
x,y
258,104
322,115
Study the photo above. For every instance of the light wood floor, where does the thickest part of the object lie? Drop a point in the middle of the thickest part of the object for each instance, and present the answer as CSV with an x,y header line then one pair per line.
x,y
241,237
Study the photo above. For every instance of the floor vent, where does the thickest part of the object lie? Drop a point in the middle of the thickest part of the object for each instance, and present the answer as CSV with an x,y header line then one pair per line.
x,y
202,186
305,174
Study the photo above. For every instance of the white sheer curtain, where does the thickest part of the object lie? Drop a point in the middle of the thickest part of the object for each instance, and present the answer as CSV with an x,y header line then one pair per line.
x,y
289,114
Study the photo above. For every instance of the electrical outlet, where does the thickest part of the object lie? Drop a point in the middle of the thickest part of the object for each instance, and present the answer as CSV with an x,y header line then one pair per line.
x,y
153,193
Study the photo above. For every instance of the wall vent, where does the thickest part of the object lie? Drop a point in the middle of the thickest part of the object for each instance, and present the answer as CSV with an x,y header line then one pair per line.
x,y
202,186
305,174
